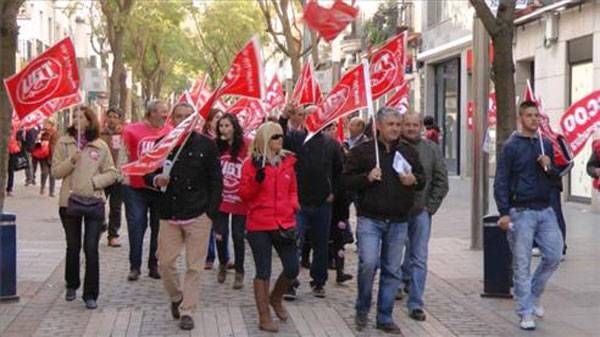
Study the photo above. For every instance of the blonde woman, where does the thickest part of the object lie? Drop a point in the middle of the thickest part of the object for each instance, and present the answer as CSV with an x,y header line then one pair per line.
x,y
268,187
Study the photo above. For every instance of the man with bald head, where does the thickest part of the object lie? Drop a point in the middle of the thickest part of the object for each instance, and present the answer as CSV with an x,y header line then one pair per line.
x,y
427,202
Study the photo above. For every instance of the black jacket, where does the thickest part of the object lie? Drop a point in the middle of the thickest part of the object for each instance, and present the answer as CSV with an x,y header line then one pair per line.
x,y
196,182
388,199
318,168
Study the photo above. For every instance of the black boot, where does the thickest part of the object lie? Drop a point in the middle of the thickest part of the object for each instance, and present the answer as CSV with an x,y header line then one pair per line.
x,y
339,267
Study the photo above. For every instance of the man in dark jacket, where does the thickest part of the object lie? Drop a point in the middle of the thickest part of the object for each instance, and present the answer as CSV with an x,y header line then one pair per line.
x,y
27,139
426,204
193,187
318,172
522,190
386,194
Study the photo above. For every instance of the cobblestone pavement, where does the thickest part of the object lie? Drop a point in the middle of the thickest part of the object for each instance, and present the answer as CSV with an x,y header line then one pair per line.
x,y
453,304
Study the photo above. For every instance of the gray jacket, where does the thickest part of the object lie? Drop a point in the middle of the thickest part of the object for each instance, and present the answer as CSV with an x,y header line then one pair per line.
x,y
436,177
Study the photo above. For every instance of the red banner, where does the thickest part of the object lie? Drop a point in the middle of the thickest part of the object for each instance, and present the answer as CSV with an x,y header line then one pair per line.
x,y
399,99
249,112
492,111
580,121
347,96
153,159
47,83
244,78
329,22
387,66
274,99
307,89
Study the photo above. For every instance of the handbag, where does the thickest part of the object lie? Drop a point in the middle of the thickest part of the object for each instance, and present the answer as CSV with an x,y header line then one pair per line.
x,y
21,161
82,206
289,234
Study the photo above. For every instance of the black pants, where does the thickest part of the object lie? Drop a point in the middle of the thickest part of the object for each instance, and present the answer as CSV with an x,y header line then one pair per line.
x,y
45,173
238,224
262,244
12,162
91,236
114,194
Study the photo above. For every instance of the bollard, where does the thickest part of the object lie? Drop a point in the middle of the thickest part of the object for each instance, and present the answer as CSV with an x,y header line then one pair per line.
x,y
8,257
497,259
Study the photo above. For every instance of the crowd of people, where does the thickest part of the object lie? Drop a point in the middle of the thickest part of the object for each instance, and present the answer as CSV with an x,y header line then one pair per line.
x,y
279,190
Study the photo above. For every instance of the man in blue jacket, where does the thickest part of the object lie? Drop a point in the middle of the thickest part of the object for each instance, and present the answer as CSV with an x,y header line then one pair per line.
x,y
522,190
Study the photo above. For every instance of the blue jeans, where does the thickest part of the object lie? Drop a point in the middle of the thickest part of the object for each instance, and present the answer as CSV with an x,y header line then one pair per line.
x,y
380,243
138,203
315,222
541,226
414,267
211,253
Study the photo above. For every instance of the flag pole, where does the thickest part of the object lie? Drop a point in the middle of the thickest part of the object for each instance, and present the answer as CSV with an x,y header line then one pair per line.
x,y
365,64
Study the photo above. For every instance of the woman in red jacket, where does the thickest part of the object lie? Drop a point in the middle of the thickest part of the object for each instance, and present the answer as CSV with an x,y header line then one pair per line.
x,y
233,149
269,189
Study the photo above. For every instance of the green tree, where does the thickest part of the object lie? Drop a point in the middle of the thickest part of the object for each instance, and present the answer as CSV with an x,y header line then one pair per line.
x,y
220,30
383,24
8,49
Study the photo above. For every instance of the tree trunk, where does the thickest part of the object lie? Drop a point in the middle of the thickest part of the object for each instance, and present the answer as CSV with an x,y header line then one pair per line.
x,y
8,48
123,101
117,67
505,87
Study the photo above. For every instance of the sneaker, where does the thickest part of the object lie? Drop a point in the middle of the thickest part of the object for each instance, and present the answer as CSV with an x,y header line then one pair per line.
x,y
153,273
175,309
134,275
290,294
390,328
239,281
343,278
417,315
361,321
222,275
208,265
538,311
114,242
91,304
70,295
186,322
527,322
318,291
536,252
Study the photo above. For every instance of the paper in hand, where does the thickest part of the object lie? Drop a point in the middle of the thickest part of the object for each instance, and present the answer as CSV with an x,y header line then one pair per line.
x,y
401,165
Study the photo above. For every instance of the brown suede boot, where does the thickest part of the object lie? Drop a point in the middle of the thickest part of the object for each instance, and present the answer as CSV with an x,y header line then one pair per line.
x,y
261,295
281,286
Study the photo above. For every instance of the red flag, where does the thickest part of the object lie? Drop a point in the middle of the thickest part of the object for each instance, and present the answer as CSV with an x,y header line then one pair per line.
x,y
387,65
244,78
329,22
347,96
307,89
340,130
274,99
221,105
154,159
249,112
50,82
399,99
580,121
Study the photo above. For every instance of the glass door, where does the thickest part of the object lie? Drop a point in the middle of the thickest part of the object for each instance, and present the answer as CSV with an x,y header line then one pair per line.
x,y
447,111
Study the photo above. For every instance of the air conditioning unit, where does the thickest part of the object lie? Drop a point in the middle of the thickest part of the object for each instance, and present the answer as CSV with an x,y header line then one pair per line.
x,y
94,80
550,29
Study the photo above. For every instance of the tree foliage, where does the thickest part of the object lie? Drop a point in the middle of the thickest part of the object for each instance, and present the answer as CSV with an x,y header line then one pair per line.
x,y
383,24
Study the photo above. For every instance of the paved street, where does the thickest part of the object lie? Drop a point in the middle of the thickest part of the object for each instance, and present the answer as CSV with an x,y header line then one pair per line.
x,y
453,303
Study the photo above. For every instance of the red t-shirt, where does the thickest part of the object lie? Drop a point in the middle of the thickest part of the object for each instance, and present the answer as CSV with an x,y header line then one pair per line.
x,y
232,175
139,138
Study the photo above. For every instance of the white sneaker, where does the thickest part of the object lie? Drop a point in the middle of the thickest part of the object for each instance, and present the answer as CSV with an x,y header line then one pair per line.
x,y
538,311
536,252
527,322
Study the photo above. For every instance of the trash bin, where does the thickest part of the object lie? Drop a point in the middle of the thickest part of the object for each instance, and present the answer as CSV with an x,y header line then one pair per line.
x,y
8,257
497,259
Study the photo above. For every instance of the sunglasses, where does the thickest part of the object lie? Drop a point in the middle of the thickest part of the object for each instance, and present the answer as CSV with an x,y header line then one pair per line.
x,y
276,137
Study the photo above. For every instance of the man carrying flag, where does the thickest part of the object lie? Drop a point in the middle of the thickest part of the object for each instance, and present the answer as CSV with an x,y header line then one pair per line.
x,y
385,197
192,188
522,189
139,138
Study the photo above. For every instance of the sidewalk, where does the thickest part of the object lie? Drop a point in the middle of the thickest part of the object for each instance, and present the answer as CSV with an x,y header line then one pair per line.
x,y
452,298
